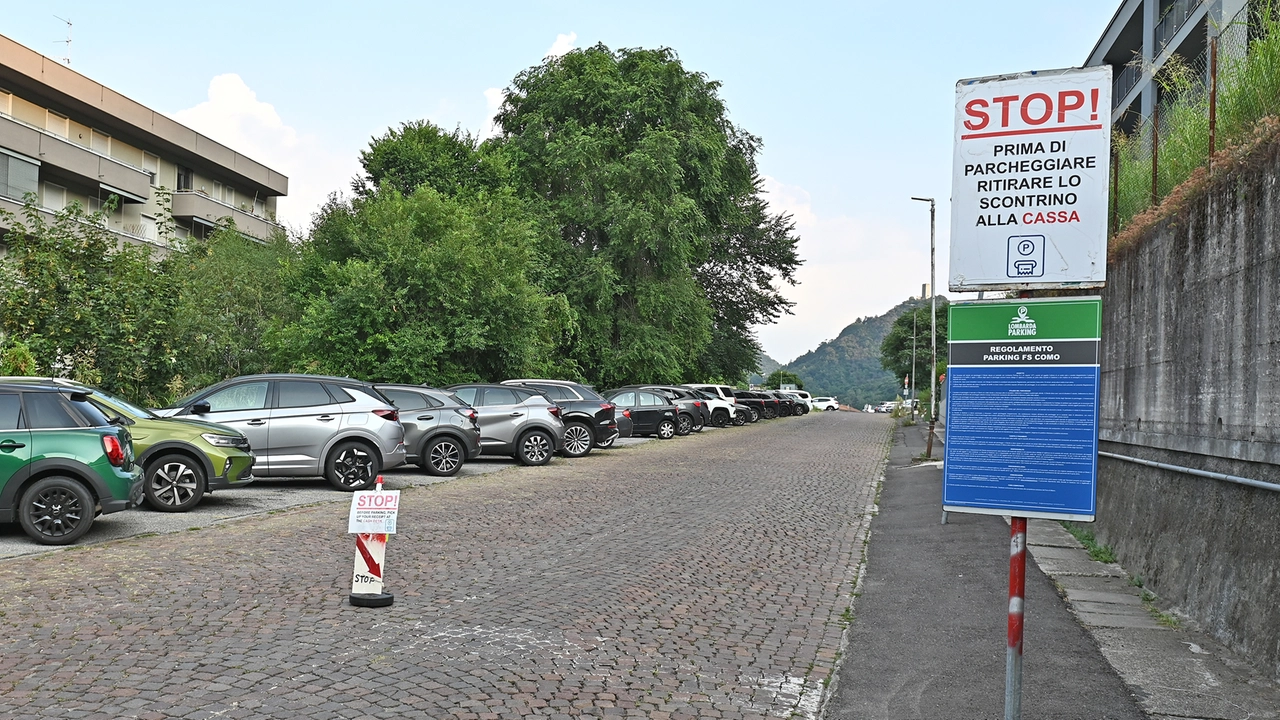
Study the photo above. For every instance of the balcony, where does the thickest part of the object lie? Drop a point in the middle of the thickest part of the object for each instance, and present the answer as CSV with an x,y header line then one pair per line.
x,y
198,207
1174,19
62,157
123,235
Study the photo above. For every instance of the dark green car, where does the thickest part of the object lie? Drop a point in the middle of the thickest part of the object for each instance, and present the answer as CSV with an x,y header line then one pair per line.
x,y
62,462
181,459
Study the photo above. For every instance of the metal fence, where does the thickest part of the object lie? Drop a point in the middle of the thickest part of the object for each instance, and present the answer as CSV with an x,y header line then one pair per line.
x,y
1205,104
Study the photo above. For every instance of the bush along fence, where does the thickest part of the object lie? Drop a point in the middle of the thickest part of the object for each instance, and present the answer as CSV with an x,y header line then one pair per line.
x,y
1205,105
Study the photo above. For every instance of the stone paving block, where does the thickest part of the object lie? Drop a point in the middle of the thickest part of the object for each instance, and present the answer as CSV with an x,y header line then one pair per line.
x,y
701,577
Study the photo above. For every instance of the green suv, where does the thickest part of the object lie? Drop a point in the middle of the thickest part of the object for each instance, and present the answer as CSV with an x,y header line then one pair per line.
x,y
62,462
181,459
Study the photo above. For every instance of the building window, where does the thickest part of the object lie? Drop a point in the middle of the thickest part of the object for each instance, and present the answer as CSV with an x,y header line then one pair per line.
x,y
100,142
18,177
186,179
151,164
229,196
147,228
6,103
56,124
54,197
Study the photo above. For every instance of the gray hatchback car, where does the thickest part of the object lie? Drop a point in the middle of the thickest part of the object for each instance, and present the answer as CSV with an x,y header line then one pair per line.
x,y
516,421
305,425
440,431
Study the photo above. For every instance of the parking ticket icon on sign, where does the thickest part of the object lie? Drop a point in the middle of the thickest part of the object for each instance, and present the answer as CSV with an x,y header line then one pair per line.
x,y
1026,256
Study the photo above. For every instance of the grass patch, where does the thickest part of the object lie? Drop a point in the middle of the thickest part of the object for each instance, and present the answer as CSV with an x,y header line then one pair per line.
x,y
1098,552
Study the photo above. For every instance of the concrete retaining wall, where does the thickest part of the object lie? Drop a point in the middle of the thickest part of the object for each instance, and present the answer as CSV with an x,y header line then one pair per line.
x,y
1191,377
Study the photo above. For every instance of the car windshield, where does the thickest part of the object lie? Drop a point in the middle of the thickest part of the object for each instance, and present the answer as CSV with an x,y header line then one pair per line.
x,y
128,407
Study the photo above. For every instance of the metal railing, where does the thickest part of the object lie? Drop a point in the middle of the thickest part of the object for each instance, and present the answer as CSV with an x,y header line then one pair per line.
x,y
1124,83
1173,21
1238,480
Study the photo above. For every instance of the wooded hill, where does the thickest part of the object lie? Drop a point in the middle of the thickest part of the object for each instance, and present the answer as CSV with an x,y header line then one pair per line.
x,y
849,366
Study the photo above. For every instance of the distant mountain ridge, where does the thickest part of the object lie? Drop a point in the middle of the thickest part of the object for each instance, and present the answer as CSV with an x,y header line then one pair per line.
x,y
849,366
767,366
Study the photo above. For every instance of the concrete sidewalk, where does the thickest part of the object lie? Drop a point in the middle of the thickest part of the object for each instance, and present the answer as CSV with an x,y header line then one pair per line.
x,y
928,638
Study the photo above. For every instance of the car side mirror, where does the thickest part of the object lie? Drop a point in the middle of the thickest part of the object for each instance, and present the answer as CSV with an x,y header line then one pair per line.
x,y
201,408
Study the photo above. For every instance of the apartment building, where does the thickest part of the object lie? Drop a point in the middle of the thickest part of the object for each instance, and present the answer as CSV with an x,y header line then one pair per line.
x,y
1143,35
68,139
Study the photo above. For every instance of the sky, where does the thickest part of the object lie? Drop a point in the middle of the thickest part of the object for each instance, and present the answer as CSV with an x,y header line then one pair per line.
x,y
852,99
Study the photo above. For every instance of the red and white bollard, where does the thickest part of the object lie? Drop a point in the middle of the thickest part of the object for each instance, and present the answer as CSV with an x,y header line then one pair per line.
x,y
1017,598
366,579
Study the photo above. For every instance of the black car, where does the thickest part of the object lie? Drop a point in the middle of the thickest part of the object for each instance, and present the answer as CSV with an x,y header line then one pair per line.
x,y
786,406
440,431
694,411
589,419
755,404
645,413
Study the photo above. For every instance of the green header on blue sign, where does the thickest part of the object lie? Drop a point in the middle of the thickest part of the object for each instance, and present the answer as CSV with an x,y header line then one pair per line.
x,y
1026,319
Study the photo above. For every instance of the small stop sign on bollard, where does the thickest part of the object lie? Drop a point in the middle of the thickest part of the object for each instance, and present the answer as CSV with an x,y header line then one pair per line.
x,y
372,520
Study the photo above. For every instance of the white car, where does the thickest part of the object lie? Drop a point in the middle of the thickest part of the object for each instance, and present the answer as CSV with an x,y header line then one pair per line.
x,y
825,403
722,410
805,396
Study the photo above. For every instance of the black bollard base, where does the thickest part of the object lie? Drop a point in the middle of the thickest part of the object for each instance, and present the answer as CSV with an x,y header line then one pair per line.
x,y
371,599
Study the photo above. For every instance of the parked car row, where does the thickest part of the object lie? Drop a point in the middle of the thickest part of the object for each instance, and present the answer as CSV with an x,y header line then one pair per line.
x,y
70,452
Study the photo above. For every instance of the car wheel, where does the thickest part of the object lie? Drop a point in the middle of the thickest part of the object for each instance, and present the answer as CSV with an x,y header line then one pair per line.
x,y
698,423
607,443
755,414
720,418
352,466
666,430
174,483
739,419
577,440
56,511
443,456
770,413
685,426
535,448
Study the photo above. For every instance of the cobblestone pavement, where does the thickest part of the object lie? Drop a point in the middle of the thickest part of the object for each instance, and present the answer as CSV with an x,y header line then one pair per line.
x,y
701,577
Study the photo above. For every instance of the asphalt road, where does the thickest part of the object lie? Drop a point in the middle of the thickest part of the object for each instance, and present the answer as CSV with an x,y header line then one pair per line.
x,y
706,576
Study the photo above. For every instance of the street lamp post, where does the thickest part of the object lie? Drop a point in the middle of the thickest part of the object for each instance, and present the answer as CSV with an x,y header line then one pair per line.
x,y
933,326
912,399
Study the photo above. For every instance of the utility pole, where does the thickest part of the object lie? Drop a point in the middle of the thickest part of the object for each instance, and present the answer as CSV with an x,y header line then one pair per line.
x,y
933,325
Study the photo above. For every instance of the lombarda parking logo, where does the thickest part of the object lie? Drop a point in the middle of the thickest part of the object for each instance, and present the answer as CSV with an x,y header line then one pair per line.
x,y
1022,324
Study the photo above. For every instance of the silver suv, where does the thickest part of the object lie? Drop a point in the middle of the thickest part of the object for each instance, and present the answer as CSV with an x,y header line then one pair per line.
x,y
305,425
516,421
440,431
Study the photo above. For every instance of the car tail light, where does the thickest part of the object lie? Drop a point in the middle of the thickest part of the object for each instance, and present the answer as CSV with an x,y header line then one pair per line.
x,y
468,413
608,406
554,410
115,451
627,413
390,415
697,403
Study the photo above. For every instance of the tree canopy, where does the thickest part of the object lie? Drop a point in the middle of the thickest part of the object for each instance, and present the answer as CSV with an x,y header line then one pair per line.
x,y
895,350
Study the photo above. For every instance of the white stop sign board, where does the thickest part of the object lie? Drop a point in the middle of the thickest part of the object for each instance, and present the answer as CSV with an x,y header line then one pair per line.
x,y
1029,189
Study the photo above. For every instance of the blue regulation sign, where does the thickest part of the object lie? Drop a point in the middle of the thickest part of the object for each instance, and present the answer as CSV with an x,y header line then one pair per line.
x,y
1022,408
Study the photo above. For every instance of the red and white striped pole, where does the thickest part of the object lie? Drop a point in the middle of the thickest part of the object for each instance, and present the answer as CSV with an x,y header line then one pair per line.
x,y
1017,598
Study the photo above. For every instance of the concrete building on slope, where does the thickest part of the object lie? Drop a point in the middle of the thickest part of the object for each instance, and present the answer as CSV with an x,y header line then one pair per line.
x,y
1144,35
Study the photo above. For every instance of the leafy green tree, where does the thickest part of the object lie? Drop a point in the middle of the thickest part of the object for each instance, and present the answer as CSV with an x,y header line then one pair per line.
x,y
895,350
420,153
86,307
667,251
421,288
230,305
781,377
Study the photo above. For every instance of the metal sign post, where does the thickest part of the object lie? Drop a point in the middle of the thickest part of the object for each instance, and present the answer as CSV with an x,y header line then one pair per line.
x,y
1028,211
1022,427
